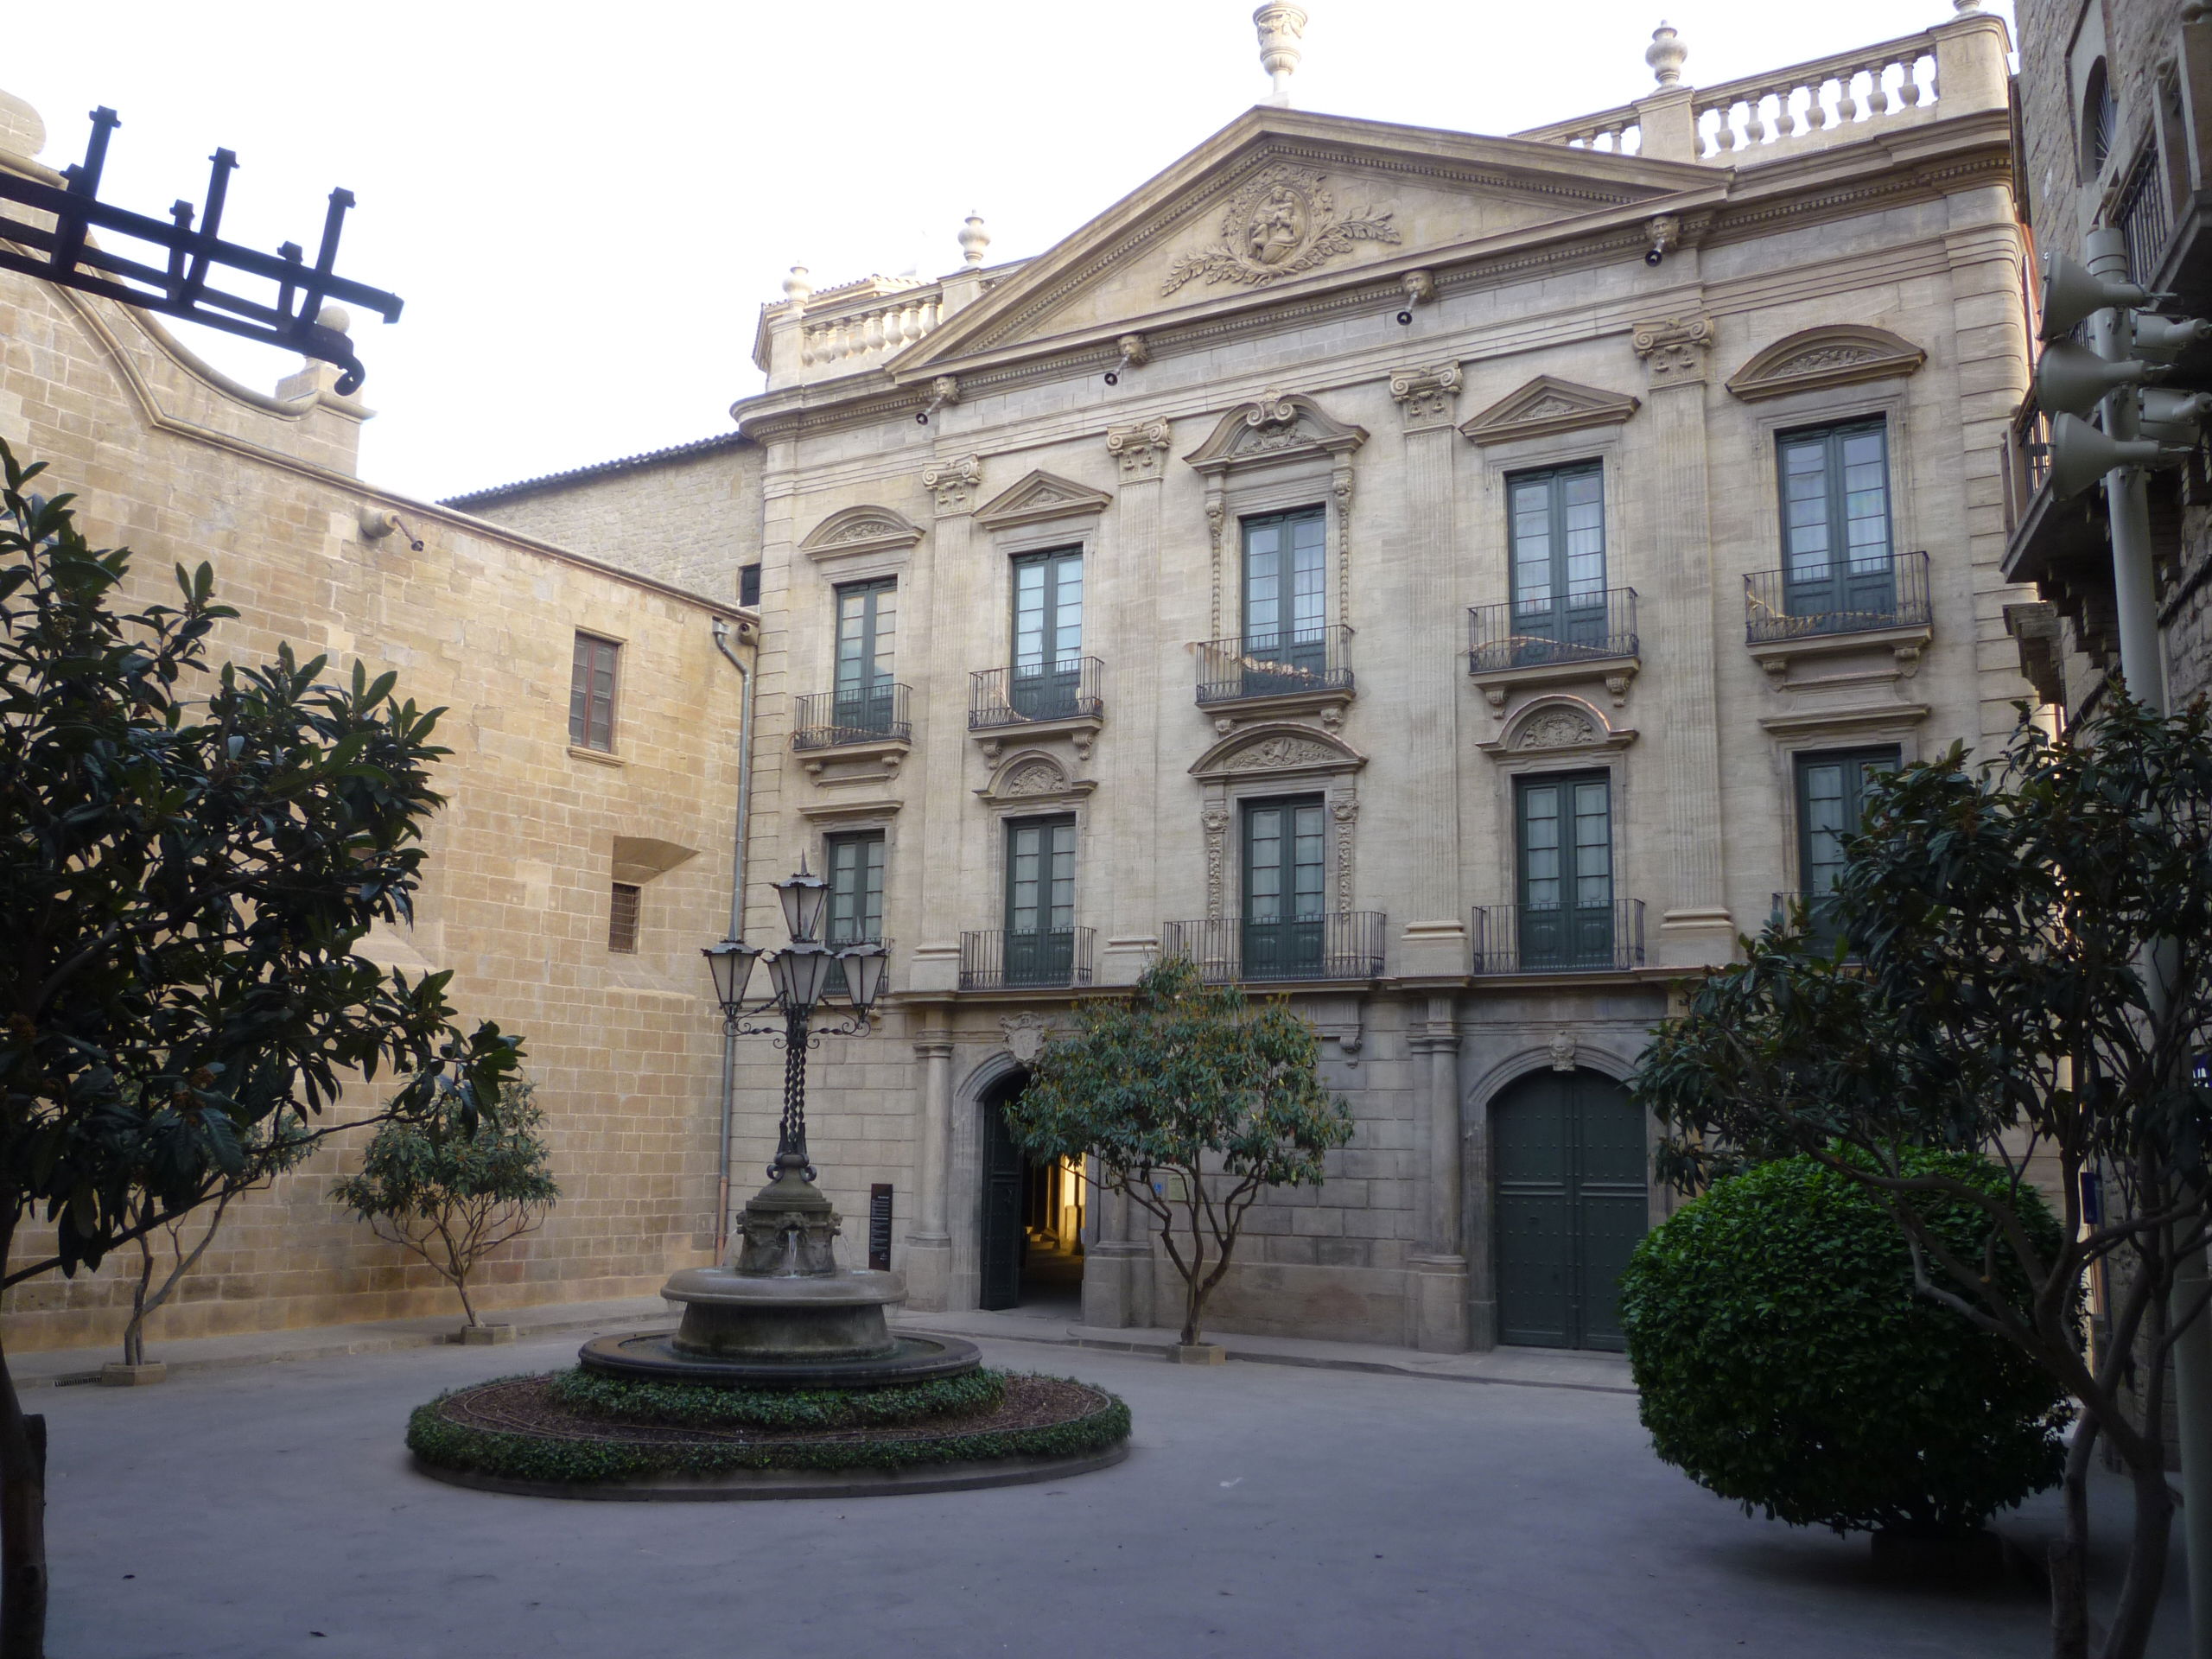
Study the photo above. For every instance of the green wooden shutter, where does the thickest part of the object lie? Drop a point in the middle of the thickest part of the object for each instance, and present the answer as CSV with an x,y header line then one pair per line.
x,y
1284,880
1836,553
1566,869
867,622
1557,519
1047,633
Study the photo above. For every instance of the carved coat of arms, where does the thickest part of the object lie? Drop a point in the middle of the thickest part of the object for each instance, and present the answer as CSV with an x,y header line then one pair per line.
x,y
1281,223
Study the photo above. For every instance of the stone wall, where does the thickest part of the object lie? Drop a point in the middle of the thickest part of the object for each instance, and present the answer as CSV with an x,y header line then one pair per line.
x,y
691,518
182,466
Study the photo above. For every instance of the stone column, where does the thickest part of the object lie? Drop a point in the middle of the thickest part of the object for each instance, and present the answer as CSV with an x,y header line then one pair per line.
x,y
1677,631
1437,1273
1434,938
1134,706
937,663
929,1240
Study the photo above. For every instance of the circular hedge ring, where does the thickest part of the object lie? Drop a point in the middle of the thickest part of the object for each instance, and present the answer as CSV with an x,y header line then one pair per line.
x,y
1784,1359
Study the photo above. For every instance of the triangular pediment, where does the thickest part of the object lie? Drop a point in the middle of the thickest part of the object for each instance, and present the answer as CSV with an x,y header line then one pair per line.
x,y
1836,354
1548,404
1039,497
1281,200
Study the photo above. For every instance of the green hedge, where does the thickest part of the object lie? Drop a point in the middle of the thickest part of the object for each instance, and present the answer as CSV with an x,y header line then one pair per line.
x,y
1784,1359
701,1405
446,1444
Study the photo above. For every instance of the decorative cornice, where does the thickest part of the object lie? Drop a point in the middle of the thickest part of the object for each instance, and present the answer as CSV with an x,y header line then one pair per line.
x,y
1548,404
1274,426
1835,355
1039,497
860,529
1279,747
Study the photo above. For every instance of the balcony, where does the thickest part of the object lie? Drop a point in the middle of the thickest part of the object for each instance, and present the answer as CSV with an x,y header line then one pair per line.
x,y
1556,939
836,720
1228,950
1823,609
1536,642
1059,699
1000,959
1276,673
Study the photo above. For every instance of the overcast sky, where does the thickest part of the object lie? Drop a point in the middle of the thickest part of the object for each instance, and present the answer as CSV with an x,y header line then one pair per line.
x,y
585,207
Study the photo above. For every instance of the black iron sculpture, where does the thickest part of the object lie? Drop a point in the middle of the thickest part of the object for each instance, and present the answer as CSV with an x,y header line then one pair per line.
x,y
179,287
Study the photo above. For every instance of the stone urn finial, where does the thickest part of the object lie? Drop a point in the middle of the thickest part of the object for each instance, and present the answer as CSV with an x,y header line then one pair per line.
x,y
1282,26
974,238
798,289
1665,54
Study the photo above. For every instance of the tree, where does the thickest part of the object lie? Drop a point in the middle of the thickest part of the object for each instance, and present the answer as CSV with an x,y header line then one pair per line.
x,y
2007,921
1192,1101
452,1197
147,1299
1782,1359
184,882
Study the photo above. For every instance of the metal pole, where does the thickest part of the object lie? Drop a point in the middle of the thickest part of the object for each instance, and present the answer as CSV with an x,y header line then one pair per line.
x,y
736,932
2142,667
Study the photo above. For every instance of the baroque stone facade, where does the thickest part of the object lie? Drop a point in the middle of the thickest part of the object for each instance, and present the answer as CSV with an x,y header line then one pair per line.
x,y
171,458
1381,334
1377,342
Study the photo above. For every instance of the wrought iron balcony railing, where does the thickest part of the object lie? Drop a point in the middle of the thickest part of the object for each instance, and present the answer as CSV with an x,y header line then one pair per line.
x,y
1066,690
1229,950
1558,939
1274,664
1000,958
1535,633
875,714
1854,596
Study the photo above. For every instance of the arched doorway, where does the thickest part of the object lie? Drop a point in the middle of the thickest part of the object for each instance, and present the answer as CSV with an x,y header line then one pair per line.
x,y
1032,1254
1572,1201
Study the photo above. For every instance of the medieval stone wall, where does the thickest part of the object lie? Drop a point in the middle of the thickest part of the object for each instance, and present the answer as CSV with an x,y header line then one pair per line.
x,y
174,462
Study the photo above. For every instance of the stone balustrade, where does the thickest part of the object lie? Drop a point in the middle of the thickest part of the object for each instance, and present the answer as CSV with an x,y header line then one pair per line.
x,y
1619,133
1831,100
1958,68
843,339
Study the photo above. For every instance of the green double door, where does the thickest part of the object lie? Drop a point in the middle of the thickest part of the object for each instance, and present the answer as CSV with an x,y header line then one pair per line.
x,y
1568,1150
1005,1174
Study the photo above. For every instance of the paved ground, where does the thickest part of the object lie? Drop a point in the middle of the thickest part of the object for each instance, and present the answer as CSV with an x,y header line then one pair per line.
x,y
1268,1509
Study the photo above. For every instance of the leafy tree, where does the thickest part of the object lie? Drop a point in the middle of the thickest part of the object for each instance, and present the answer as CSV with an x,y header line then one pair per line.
x,y
2007,921
452,1197
1191,1100
1781,1358
184,881
263,1163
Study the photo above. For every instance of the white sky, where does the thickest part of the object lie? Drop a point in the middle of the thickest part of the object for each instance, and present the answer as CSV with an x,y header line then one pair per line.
x,y
584,207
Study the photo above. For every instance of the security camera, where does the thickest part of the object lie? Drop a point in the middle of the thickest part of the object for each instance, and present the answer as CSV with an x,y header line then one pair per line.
x,y
1405,319
1654,256
1136,351
922,416
1113,377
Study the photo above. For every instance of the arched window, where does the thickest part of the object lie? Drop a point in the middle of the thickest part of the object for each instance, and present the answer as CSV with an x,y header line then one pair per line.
x,y
2099,122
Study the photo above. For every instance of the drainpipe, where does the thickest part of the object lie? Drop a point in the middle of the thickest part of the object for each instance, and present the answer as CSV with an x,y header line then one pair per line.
x,y
736,932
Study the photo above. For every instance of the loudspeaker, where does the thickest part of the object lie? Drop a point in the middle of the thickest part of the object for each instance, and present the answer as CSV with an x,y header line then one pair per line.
x,y
2080,454
2070,294
2163,338
2175,416
2073,379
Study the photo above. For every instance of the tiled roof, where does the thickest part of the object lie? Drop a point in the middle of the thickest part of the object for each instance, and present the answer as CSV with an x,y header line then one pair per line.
x,y
598,469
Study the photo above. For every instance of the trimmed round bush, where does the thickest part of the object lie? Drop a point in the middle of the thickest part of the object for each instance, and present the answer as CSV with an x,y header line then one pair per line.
x,y
1785,1361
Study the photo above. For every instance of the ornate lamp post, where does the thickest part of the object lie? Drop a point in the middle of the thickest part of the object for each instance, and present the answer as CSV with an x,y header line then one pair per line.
x,y
800,976
783,1314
